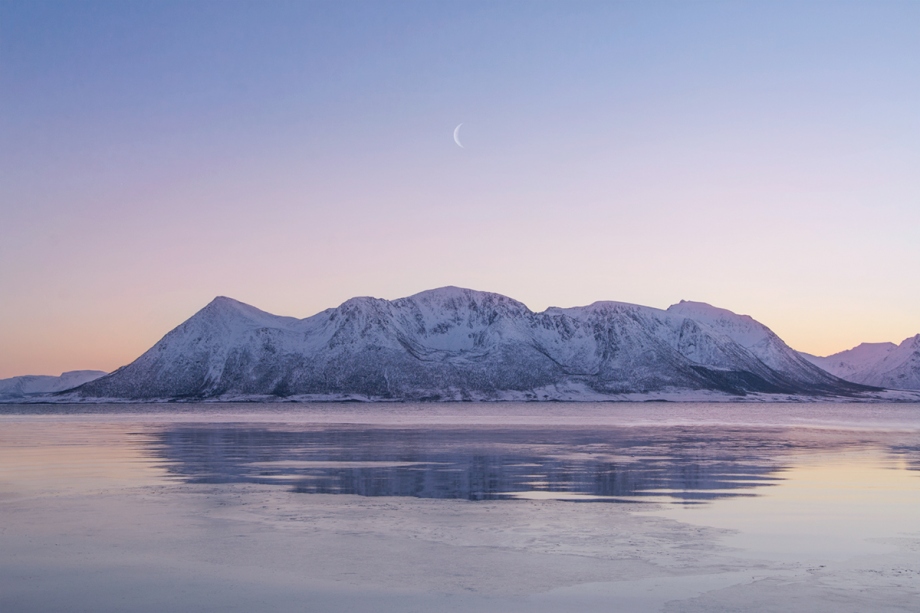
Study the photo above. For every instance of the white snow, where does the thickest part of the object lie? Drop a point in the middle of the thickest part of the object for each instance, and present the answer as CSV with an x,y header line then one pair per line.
x,y
31,385
455,343
878,364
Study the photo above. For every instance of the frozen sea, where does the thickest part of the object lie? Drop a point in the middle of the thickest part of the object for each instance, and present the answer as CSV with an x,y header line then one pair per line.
x,y
498,507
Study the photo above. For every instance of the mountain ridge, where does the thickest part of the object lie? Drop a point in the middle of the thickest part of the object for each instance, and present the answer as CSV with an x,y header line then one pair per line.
x,y
455,343
878,364
26,386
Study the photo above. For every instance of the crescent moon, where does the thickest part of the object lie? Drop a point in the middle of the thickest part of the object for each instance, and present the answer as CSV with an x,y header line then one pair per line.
x,y
457,136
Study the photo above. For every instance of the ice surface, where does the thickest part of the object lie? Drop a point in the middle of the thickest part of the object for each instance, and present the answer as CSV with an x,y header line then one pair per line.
x,y
100,515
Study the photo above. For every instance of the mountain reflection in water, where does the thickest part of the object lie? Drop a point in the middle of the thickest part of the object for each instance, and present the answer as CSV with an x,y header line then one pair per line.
x,y
682,464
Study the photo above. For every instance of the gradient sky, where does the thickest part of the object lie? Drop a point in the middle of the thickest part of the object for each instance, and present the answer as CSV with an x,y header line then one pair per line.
x,y
763,157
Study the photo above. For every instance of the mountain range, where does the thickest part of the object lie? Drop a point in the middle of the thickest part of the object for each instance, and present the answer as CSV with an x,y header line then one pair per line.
x,y
460,344
877,364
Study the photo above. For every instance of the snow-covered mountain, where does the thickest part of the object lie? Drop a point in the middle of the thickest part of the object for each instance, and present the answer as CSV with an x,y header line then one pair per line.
x,y
33,385
877,364
454,343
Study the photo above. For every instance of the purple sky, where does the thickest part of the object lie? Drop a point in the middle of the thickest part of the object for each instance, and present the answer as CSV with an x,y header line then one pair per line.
x,y
762,157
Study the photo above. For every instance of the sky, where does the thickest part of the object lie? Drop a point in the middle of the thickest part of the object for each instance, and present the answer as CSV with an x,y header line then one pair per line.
x,y
759,156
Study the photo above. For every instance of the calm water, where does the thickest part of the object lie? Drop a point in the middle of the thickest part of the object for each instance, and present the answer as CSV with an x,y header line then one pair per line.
x,y
795,483
686,454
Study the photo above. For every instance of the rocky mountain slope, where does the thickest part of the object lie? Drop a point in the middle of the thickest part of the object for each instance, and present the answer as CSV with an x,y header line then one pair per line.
x,y
877,364
34,385
460,344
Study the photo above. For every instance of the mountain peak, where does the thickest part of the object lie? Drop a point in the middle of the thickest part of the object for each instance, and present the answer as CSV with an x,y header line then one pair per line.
x,y
459,296
225,309
453,291
447,290
873,346
226,303
695,310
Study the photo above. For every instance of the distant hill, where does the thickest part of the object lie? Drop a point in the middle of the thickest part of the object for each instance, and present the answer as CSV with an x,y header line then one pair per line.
x,y
877,364
460,344
34,385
